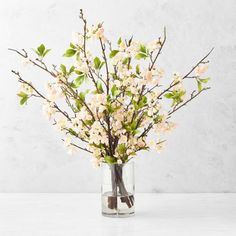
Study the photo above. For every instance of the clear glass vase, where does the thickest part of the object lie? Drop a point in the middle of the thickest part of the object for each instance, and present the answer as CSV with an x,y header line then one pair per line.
x,y
117,189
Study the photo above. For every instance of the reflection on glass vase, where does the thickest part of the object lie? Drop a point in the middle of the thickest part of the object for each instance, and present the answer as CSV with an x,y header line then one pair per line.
x,y
117,189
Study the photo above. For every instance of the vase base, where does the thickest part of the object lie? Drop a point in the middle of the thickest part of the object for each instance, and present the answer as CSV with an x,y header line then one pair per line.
x,y
117,206
118,215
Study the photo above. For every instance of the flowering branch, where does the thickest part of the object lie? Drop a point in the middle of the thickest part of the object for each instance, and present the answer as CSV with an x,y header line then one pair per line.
x,y
193,95
124,101
187,75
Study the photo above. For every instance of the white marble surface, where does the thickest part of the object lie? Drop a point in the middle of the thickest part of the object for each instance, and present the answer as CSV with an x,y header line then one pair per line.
x,y
200,154
79,214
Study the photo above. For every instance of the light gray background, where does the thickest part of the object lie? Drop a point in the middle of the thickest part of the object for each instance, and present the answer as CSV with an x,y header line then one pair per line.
x,y
201,153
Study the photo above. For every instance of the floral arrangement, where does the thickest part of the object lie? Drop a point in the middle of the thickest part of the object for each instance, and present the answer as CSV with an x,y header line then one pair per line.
x,y
125,102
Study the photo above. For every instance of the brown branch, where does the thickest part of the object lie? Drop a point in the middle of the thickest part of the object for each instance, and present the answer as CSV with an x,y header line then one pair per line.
x,y
77,146
159,51
106,64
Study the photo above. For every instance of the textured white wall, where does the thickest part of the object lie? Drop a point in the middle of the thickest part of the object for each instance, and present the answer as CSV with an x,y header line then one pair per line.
x,y
201,153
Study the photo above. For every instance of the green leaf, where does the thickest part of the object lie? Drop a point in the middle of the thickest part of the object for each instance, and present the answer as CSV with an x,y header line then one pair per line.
x,y
69,53
41,49
36,51
63,69
21,94
142,102
205,80
72,132
72,45
125,61
78,56
78,104
82,95
168,95
24,97
137,69
129,93
101,65
78,81
143,49
97,63
71,70
113,53
135,105
23,100
199,85
143,52
110,160
119,41
121,149
141,56
88,122
114,90
133,125
100,88
109,107
46,52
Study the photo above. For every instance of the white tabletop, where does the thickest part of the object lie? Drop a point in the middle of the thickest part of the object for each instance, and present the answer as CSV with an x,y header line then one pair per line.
x,y
79,214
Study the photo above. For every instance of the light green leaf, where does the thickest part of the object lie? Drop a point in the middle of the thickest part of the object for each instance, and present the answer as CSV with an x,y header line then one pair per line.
x,y
82,95
119,41
113,53
142,102
71,70
143,49
97,63
168,95
121,149
24,97
78,104
101,65
46,52
137,69
72,45
63,69
100,88
41,49
78,81
199,85
69,53
125,61
133,125
110,160
141,56
114,90
72,132
205,80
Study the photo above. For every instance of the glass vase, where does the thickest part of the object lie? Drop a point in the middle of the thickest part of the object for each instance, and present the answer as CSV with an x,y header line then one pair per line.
x,y
117,189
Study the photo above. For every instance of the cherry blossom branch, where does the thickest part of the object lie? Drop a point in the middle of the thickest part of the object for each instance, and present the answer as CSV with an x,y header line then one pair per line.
x,y
186,75
159,51
84,48
193,95
25,55
21,80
